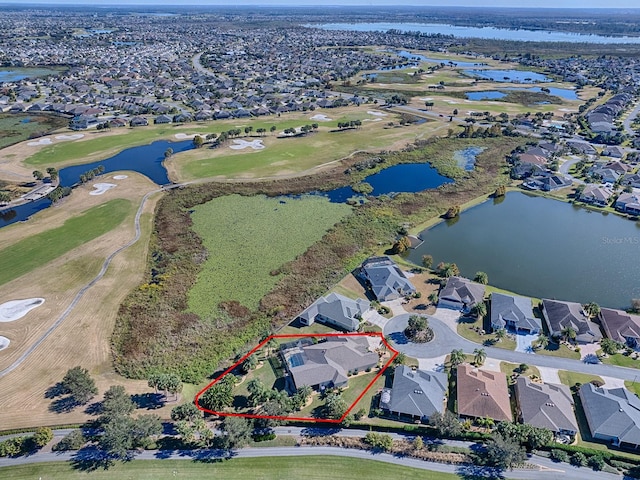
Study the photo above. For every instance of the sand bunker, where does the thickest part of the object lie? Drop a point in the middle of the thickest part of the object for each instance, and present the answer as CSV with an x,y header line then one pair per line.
x,y
100,188
372,120
242,144
376,114
120,177
42,141
75,136
4,342
16,309
184,136
321,118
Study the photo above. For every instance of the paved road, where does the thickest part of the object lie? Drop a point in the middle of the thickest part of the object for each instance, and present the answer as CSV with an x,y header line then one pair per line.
x,y
446,340
626,123
81,293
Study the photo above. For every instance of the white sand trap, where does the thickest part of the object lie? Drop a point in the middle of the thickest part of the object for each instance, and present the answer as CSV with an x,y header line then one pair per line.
x,y
184,136
100,188
75,136
16,309
376,114
426,99
321,118
372,120
120,177
4,342
42,141
242,144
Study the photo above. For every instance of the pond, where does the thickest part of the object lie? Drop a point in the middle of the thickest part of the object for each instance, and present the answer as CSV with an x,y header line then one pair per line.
x,y
521,35
14,74
403,178
466,159
509,76
566,93
144,159
455,63
542,248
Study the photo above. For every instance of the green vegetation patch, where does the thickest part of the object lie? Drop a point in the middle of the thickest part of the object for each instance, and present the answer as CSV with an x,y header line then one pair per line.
x,y
311,467
33,252
571,378
249,239
16,128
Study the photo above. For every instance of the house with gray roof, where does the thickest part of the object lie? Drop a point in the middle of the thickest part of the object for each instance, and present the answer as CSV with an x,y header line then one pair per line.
x,y
613,415
460,294
336,311
596,195
559,315
415,394
328,363
385,280
546,405
628,203
514,313
620,326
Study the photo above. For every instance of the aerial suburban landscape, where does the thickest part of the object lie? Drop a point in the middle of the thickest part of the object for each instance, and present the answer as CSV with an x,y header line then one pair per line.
x,y
287,241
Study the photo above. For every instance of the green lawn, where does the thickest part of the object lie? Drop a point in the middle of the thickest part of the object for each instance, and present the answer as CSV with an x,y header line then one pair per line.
x,y
571,378
556,350
33,252
633,386
467,329
509,368
276,468
249,239
621,360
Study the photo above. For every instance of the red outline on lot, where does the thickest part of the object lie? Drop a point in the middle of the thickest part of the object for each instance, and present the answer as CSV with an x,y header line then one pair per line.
x,y
300,419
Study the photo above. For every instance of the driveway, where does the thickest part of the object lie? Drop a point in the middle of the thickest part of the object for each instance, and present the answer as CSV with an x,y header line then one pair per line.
x,y
524,341
448,316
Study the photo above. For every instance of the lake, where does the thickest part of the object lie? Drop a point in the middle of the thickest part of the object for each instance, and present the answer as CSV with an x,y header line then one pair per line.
x,y
542,248
519,76
456,63
144,159
466,159
566,93
14,74
478,32
403,178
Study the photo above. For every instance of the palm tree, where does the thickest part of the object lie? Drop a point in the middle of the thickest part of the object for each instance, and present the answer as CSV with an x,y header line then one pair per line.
x,y
479,309
592,309
456,357
568,333
479,356
542,341
481,277
500,334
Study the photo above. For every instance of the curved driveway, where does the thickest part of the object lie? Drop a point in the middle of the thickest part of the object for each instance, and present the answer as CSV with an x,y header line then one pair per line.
x,y
446,340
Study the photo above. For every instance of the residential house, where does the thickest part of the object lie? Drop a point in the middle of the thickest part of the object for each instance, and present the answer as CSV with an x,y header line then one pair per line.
x,y
613,151
160,119
620,326
461,294
514,313
482,394
336,311
385,280
328,363
415,394
613,415
632,179
546,405
582,147
596,195
559,315
138,122
628,203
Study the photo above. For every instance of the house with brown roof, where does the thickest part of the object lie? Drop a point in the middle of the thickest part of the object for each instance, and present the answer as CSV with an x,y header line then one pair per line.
x,y
483,394
620,326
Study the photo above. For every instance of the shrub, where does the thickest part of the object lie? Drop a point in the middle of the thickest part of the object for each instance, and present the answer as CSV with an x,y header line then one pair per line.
x,y
74,440
379,441
559,455
579,459
597,462
264,437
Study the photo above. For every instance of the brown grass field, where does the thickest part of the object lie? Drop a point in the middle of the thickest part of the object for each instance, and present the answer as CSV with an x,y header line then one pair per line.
x,y
83,338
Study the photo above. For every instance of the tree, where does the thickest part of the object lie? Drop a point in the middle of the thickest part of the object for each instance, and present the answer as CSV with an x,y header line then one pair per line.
x,y
38,175
592,309
400,359
79,385
542,341
168,153
501,333
479,309
418,329
401,245
504,452
116,403
198,141
53,173
154,381
379,441
42,436
218,397
258,392
456,357
481,277
186,411
479,356
427,261
4,197
144,427
452,212
568,333
610,347
273,128
171,383
447,270
433,297
501,191
74,440
117,438
237,432
301,396
523,367
447,424
418,443
249,364
335,406
579,459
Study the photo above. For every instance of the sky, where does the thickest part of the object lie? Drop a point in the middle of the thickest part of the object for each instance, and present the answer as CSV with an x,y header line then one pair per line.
x,y
439,3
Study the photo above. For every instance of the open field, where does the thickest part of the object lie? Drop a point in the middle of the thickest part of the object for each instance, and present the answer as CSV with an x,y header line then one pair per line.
x,y
16,127
249,239
37,250
89,324
267,468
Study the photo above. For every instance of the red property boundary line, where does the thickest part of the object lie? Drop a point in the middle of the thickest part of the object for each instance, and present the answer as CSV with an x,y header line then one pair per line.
x,y
300,419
